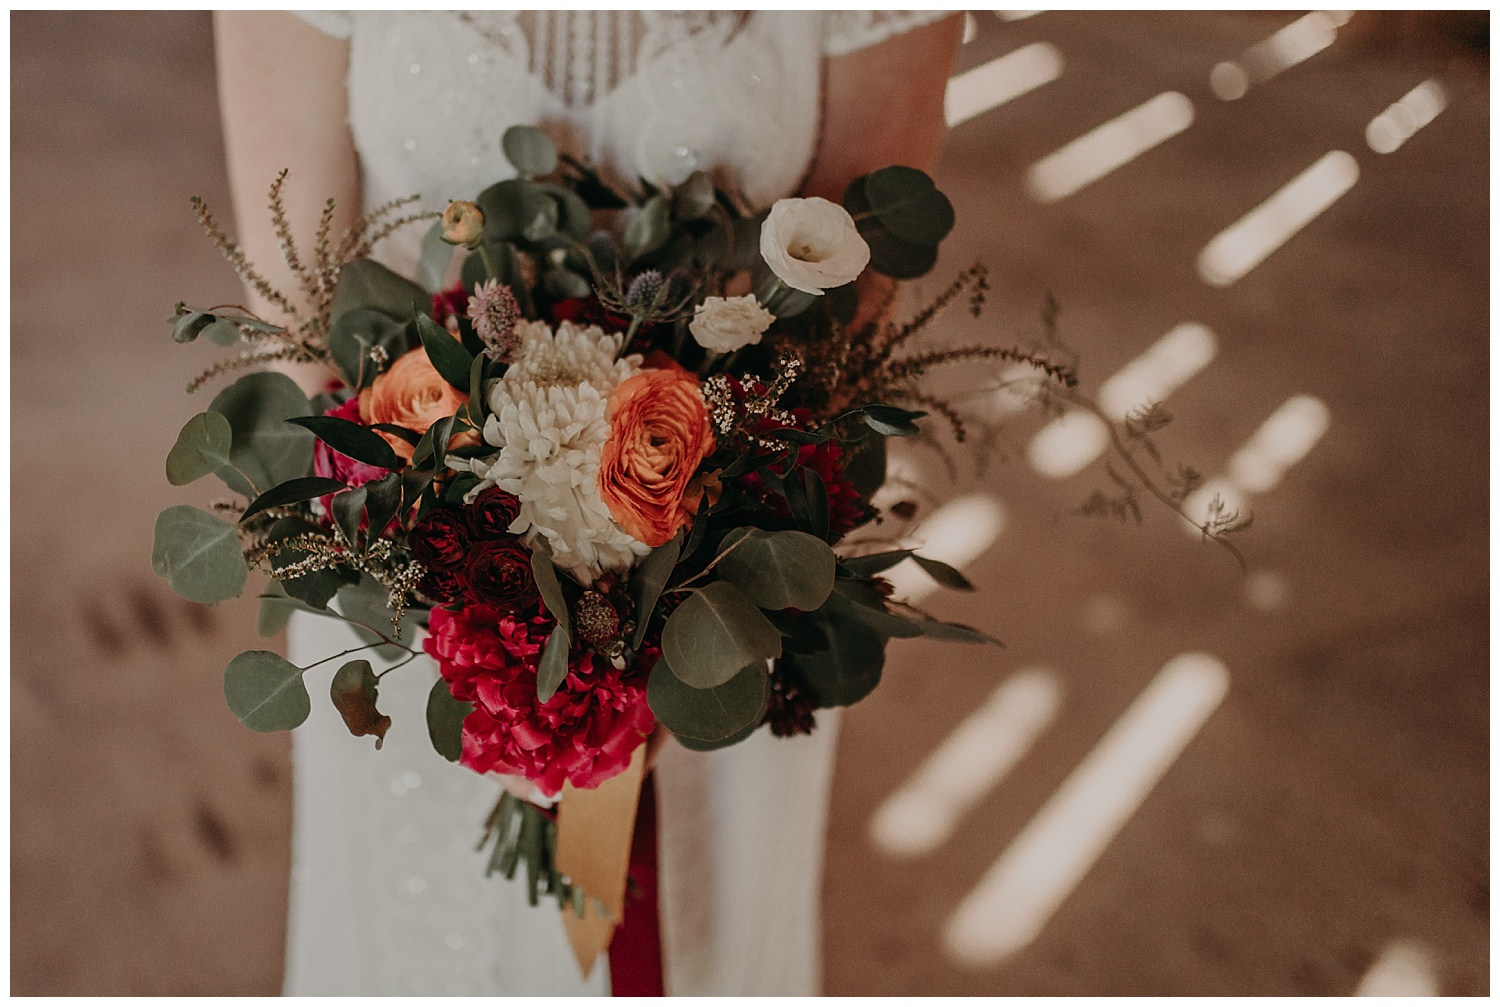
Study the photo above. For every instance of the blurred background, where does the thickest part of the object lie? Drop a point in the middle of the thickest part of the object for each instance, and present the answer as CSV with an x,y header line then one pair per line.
x,y
1177,778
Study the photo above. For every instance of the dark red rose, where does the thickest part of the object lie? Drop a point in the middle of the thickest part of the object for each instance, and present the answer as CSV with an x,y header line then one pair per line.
x,y
453,301
499,574
440,540
444,586
492,512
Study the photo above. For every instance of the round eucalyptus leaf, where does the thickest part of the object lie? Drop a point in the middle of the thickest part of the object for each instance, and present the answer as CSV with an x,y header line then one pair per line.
x,y
850,668
266,449
779,569
713,714
353,692
365,283
529,150
513,205
202,449
694,745
445,721
716,632
574,218
649,228
199,555
221,333
893,257
354,334
908,203
266,692
436,254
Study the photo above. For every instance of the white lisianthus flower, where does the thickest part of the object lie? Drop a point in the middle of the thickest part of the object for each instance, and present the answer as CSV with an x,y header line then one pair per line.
x,y
812,244
550,422
724,324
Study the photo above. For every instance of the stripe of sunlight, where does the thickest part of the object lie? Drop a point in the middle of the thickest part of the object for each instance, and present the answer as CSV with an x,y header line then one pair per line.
x,y
921,815
1108,147
1072,441
1247,242
1393,127
1305,37
958,533
1404,969
1017,15
1054,852
1002,79
1283,440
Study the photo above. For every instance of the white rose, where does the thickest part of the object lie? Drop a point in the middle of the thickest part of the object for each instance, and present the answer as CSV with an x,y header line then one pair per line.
x,y
724,324
812,244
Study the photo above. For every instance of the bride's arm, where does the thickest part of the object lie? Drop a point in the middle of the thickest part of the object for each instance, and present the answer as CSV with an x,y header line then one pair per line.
x,y
284,104
883,105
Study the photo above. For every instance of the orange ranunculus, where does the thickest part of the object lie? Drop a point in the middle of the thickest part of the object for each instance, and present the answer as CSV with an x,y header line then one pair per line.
x,y
659,433
411,394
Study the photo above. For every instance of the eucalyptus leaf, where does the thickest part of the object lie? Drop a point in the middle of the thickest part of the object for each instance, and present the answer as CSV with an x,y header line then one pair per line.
x,y
221,333
574,218
716,632
694,197
435,256
649,228
909,205
290,492
367,602
187,325
850,668
890,256
513,207
447,354
365,283
266,692
711,714
355,334
354,694
348,508
647,581
199,555
529,150
694,745
780,569
548,586
355,440
552,669
265,448
275,610
445,721
202,449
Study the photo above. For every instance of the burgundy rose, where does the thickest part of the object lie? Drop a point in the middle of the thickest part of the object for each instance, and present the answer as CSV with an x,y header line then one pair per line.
x,y
492,512
440,540
444,586
499,574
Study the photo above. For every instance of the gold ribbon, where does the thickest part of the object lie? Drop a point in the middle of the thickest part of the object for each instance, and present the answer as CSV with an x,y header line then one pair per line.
x,y
594,829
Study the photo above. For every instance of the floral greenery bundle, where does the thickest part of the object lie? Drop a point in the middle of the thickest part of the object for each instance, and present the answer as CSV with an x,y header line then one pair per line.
x,y
610,469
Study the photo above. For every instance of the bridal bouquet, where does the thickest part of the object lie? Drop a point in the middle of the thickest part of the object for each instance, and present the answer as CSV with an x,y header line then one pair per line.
x,y
611,469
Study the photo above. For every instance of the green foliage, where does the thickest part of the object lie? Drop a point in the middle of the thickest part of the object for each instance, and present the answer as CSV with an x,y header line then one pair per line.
x,y
290,492
355,334
436,254
365,283
354,691
366,602
313,589
694,745
266,692
347,509
943,573
529,150
202,449
548,585
199,555
694,197
188,324
902,216
891,421
647,581
445,721
649,228
878,562
266,450
382,501
711,714
275,611
716,632
517,209
222,333
778,569
865,465
447,354
850,666
552,669
353,439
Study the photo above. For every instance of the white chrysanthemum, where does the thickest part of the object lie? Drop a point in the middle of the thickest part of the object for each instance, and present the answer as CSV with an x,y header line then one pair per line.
x,y
550,421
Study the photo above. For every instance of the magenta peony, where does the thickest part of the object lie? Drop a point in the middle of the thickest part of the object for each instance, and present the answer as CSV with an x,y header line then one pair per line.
x,y
583,735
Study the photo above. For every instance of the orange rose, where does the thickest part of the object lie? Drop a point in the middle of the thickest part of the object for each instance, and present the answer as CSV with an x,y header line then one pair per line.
x,y
659,434
411,394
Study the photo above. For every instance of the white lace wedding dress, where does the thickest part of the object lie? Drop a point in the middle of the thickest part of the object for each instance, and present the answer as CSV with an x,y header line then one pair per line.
x,y
388,893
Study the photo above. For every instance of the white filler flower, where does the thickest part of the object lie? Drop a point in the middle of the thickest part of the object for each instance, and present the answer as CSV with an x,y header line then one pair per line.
x,y
550,422
724,324
812,244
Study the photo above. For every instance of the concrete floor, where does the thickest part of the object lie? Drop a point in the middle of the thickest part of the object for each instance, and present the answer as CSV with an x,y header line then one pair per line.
x,y
1336,802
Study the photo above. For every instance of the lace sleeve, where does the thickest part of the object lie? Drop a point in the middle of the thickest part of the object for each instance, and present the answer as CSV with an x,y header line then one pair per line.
x,y
846,31
337,23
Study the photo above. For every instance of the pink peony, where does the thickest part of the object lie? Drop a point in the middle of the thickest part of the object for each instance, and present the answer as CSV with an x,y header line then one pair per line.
x,y
583,735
